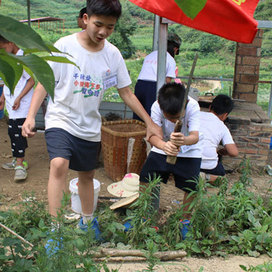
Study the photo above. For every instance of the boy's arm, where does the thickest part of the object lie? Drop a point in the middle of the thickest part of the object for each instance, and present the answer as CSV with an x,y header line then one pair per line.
x,y
168,147
132,101
29,85
179,139
2,101
37,99
229,149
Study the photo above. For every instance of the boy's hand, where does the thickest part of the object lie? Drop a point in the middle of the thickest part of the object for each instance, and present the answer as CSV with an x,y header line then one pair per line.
x,y
177,138
16,104
170,149
28,128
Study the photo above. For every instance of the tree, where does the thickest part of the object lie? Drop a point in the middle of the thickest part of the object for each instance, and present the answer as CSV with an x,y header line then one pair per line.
x,y
11,66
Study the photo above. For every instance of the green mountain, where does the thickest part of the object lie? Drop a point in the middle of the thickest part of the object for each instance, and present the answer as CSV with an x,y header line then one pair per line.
x,y
64,9
68,10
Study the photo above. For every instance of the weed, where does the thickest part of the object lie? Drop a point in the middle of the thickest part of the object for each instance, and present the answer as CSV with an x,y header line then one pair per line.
x,y
266,267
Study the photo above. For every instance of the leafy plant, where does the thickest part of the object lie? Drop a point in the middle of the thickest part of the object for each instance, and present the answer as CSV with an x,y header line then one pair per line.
x,y
11,66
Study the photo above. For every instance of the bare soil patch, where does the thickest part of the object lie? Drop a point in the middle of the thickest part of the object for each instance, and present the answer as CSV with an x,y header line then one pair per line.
x,y
36,154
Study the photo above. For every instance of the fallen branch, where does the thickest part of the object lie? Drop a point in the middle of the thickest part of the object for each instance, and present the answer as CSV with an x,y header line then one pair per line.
x,y
162,255
17,235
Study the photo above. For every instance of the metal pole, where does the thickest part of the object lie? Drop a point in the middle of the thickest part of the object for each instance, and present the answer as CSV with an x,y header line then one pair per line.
x,y
156,32
162,49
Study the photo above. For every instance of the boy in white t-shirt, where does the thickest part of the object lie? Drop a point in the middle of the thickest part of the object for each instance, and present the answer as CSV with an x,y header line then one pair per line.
x,y
184,144
73,121
146,85
215,132
17,105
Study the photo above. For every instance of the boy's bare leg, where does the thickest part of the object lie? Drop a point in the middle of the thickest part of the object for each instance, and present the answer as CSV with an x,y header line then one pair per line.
x,y
86,191
57,183
186,202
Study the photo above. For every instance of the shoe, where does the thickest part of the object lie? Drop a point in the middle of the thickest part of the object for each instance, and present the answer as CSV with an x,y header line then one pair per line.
x,y
52,247
184,228
12,165
94,226
20,173
127,226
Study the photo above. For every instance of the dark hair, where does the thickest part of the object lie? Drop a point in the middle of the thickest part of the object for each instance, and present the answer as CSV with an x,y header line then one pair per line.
x,y
170,98
81,12
173,41
170,48
104,7
222,104
3,40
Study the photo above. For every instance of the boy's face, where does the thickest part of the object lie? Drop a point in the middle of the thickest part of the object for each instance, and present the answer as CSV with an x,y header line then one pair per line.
x,y
8,46
172,118
80,23
99,27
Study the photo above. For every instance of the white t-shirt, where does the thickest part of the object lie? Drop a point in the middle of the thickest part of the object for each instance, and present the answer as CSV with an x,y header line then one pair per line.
x,y
189,123
214,131
149,68
22,111
78,93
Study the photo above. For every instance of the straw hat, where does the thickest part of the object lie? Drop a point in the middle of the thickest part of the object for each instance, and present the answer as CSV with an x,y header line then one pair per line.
x,y
124,202
128,186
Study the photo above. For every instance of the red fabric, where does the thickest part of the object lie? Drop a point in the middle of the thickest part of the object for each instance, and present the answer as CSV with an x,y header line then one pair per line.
x,y
230,19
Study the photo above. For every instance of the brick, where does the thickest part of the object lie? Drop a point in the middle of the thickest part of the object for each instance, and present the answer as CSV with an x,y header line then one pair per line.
x,y
263,152
265,140
255,89
244,88
258,145
248,150
238,132
259,134
237,77
239,120
257,42
255,127
249,97
257,69
259,52
240,144
249,139
247,51
249,79
251,60
245,69
238,59
259,33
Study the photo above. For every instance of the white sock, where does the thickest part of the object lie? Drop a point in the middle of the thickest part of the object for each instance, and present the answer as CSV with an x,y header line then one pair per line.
x,y
87,218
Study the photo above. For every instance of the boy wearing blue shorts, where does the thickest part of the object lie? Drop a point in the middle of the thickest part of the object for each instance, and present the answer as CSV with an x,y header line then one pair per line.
x,y
184,144
73,121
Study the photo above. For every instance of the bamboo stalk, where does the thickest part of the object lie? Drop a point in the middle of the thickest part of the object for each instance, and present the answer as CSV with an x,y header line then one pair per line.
x,y
17,235
125,253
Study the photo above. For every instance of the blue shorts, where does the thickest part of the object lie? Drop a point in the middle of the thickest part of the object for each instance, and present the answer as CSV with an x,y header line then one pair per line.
x,y
185,171
82,154
217,171
146,92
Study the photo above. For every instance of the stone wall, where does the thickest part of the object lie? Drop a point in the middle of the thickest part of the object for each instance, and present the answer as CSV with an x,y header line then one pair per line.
x,y
246,71
252,139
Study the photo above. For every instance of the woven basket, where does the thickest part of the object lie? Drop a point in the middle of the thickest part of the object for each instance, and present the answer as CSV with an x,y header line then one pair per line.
x,y
115,137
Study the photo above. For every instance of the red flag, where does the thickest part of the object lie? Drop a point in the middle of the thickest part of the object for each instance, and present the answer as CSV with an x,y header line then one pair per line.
x,y
230,19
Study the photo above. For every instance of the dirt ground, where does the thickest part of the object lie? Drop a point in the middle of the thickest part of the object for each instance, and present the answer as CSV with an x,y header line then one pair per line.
x,y
12,192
